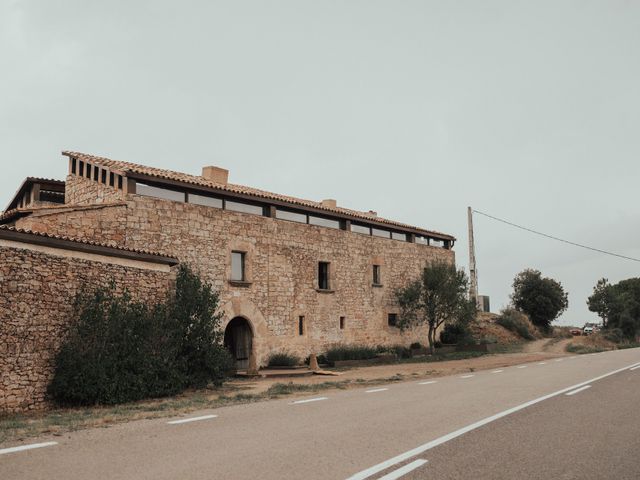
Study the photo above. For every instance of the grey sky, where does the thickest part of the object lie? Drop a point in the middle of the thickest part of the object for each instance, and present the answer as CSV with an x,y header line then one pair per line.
x,y
526,110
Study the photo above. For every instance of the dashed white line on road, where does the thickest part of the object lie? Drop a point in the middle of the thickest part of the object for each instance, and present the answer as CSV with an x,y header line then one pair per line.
x,y
467,376
522,366
26,447
375,390
192,419
362,475
581,389
497,371
634,368
559,359
427,383
409,467
542,363
309,400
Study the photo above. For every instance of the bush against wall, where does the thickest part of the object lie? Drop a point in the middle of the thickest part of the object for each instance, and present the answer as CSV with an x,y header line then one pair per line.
x,y
120,350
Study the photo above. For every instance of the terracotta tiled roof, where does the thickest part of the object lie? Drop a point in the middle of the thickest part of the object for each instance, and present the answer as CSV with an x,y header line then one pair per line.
x,y
81,241
27,182
64,207
125,168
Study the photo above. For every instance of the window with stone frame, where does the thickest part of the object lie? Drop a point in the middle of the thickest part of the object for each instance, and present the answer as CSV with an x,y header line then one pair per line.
x,y
377,275
323,276
301,325
392,319
238,267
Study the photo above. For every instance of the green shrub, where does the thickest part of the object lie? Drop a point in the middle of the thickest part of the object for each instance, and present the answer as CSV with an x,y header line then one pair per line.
x,y
398,350
581,349
283,359
350,352
120,350
415,346
456,333
615,335
516,322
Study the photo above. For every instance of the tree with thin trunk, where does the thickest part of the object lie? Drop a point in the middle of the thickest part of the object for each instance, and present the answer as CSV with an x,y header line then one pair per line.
x,y
439,295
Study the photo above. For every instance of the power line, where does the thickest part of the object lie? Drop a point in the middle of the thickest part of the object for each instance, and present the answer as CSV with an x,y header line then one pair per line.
x,y
557,238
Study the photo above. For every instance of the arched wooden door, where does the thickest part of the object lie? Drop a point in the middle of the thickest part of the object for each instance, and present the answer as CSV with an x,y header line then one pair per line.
x,y
238,339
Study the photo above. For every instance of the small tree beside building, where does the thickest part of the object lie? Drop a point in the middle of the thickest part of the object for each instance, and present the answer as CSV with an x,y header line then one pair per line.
x,y
439,295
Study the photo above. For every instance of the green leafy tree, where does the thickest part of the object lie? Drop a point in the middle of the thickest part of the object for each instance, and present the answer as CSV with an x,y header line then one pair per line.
x,y
601,301
542,299
439,295
618,305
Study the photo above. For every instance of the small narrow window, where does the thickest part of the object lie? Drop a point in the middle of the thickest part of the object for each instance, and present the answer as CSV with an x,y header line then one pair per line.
x,y
323,275
237,266
112,179
392,319
301,325
120,183
104,177
88,171
377,280
96,172
81,169
74,166
341,323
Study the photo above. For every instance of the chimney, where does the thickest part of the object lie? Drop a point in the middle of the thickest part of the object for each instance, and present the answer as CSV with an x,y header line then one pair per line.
x,y
329,203
216,175
372,213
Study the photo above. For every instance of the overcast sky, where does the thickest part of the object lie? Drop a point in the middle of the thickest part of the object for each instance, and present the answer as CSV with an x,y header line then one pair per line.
x,y
528,111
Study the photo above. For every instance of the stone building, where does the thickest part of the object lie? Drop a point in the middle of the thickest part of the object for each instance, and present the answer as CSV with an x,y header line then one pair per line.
x,y
293,275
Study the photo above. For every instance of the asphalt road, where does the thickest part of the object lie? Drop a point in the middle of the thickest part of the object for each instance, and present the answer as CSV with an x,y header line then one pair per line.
x,y
515,422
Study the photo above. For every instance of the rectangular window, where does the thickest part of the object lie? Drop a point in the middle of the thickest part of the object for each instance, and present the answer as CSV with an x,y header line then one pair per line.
x,y
341,323
300,325
88,171
206,201
422,240
436,242
243,207
399,236
74,166
324,222
156,192
120,183
323,275
360,229
377,232
81,169
104,177
291,216
237,266
392,319
96,173
377,280
112,179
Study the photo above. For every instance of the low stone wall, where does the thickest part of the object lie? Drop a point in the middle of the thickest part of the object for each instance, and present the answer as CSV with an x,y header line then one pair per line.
x,y
38,284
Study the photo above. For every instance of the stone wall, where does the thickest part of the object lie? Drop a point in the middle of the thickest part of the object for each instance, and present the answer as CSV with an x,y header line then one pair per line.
x,y
82,191
37,288
282,263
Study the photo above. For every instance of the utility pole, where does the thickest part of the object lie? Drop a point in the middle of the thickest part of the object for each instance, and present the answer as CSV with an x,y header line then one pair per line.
x,y
473,272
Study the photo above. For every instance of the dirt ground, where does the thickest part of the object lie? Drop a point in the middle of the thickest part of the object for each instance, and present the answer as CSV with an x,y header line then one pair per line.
x,y
536,350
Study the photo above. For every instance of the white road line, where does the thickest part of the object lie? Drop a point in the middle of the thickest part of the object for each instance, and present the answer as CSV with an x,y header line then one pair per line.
x,y
522,366
559,359
27,447
309,400
467,376
376,390
635,368
542,363
427,383
497,371
450,436
410,467
192,419
581,389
